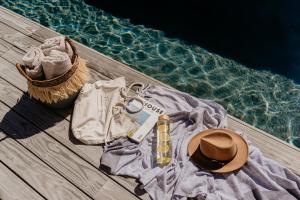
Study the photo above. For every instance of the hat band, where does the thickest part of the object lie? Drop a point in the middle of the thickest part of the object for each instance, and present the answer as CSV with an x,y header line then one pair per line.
x,y
218,162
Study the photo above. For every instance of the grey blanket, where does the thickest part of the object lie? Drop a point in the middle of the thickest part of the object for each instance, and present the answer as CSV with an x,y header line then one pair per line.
x,y
260,178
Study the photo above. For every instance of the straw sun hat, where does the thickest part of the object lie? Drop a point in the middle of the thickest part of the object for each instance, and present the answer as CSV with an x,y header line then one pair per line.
x,y
218,150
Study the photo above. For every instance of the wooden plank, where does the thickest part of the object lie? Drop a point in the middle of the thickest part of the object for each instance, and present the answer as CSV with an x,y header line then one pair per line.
x,y
53,124
70,166
4,47
110,192
2,136
41,177
112,69
237,123
12,187
270,145
40,115
9,34
25,26
44,118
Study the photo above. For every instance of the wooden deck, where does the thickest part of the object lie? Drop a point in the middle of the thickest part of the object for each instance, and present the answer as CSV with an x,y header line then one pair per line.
x,y
39,158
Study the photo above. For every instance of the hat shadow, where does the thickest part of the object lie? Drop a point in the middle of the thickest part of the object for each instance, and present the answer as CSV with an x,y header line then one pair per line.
x,y
29,117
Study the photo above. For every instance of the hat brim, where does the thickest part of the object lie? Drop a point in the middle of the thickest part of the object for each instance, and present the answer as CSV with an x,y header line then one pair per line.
x,y
199,159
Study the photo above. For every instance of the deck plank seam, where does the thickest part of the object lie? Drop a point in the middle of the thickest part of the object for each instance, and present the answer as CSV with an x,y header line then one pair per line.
x,y
2,139
40,158
15,173
44,164
82,158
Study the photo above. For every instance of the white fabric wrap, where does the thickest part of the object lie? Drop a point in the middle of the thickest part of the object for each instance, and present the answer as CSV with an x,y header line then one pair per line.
x,y
56,64
33,62
56,43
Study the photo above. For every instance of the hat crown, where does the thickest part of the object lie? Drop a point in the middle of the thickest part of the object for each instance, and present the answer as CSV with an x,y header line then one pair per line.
x,y
218,146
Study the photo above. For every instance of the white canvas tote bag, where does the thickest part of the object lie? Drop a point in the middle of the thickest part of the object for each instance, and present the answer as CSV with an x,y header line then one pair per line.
x,y
96,116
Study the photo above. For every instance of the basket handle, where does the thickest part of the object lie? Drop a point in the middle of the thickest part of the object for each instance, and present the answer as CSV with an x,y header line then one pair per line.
x,y
22,71
71,43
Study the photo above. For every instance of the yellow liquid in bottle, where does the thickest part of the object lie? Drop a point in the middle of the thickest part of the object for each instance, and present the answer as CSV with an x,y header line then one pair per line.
x,y
164,148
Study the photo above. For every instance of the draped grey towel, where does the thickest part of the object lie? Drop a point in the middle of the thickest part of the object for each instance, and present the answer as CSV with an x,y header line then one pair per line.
x,y
260,178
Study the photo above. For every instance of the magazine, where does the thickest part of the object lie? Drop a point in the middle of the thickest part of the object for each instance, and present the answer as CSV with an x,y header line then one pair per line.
x,y
143,121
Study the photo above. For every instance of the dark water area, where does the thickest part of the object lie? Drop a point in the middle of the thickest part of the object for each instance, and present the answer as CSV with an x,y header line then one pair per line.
x,y
261,34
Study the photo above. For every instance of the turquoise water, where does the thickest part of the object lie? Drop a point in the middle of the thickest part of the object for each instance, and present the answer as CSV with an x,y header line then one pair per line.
x,y
268,101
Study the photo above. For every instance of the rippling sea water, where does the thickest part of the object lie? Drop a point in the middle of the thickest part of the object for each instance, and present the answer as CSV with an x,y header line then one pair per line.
x,y
268,101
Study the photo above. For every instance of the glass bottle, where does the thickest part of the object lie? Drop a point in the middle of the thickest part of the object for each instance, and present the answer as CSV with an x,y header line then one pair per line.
x,y
164,148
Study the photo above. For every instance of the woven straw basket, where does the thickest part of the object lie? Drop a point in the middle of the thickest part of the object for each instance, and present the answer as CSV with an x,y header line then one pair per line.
x,y
61,91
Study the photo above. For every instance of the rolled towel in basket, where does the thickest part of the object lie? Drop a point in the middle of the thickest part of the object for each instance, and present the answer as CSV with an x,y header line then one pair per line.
x,y
33,62
57,43
57,63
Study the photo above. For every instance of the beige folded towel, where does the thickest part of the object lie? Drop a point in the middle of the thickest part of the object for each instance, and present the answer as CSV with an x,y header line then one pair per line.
x,y
57,43
33,62
56,64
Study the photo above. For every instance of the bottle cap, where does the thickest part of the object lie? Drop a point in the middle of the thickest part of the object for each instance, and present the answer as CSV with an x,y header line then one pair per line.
x,y
163,117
